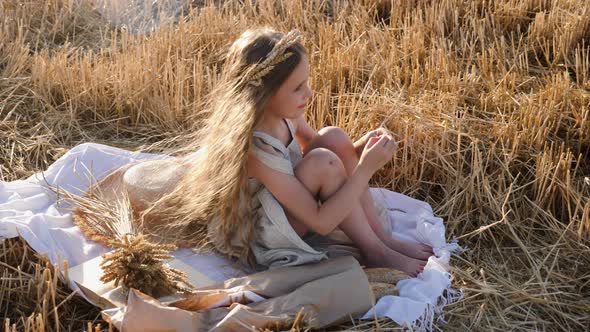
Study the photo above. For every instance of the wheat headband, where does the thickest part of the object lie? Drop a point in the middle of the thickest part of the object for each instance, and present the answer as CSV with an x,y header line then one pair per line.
x,y
276,56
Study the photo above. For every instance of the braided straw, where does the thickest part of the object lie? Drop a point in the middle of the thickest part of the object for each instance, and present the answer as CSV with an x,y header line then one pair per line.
x,y
381,289
275,57
383,280
385,275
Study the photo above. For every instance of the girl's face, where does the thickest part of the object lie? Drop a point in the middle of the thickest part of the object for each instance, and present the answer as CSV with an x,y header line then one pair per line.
x,y
290,99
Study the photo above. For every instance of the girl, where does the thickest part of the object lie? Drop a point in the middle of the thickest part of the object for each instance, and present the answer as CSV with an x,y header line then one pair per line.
x,y
252,191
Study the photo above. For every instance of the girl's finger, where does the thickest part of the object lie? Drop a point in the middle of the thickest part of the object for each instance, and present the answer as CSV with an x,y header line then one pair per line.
x,y
372,141
378,141
394,145
388,139
383,140
390,145
384,131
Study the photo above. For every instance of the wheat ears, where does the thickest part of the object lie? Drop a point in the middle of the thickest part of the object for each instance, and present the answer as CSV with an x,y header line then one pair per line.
x,y
140,264
275,57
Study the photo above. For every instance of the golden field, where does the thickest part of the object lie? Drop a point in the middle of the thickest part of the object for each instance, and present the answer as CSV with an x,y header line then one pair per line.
x,y
490,101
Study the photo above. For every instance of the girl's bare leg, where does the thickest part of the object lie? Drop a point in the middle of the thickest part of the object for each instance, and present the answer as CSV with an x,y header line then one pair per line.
x,y
412,249
323,173
336,140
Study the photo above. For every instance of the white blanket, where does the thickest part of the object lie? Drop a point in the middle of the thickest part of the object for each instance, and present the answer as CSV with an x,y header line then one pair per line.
x,y
28,208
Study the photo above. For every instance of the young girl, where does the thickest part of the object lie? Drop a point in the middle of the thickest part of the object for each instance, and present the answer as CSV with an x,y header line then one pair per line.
x,y
252,191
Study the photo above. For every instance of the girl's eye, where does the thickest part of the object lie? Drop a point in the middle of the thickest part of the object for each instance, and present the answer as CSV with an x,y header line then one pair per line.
x,y
299,86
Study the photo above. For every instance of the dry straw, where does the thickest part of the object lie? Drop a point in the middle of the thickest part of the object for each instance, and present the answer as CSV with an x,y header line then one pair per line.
x,y
490,100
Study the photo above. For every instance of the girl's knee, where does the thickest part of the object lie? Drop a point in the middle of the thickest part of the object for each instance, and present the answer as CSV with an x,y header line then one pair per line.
x,y
324,162
335,139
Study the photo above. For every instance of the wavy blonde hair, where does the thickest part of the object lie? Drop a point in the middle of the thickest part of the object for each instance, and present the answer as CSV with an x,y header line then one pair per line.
x,y
211,205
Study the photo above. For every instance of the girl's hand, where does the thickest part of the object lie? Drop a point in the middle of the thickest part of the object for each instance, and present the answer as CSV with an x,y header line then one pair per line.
x,y
362,142
377,152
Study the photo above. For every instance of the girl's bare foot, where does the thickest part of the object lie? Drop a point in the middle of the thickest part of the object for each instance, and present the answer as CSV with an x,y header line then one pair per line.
x,y
410,249
393,259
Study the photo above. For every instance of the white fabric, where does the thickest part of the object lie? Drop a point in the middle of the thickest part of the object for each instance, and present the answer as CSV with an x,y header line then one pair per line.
x,y
28,208
419,298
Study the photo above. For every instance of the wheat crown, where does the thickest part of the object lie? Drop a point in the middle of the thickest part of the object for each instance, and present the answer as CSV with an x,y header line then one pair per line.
x,y
276,56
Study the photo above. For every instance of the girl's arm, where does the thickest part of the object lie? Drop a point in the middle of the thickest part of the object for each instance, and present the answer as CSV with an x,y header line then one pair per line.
x,y
295,197
303,132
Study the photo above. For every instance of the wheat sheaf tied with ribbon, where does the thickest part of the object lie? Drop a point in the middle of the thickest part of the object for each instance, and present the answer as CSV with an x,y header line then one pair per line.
x,y
276,56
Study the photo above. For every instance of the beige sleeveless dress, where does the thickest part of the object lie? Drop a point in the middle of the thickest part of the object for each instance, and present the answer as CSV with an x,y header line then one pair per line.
x,y
276,243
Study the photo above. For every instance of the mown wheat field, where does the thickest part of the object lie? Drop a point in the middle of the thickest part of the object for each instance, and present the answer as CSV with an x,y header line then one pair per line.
x,y
490,101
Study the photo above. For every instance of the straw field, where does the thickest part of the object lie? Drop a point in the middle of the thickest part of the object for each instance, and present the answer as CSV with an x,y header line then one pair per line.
x,y
490,101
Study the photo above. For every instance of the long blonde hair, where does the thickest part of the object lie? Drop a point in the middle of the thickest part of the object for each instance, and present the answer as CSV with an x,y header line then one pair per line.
x,y
211,205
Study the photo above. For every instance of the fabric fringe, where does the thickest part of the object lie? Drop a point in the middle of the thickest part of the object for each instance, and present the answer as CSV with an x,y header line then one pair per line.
x,y
448,296
426,321
454,247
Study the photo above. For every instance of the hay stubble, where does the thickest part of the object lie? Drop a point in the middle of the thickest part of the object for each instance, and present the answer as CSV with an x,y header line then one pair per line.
x,y
490,101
